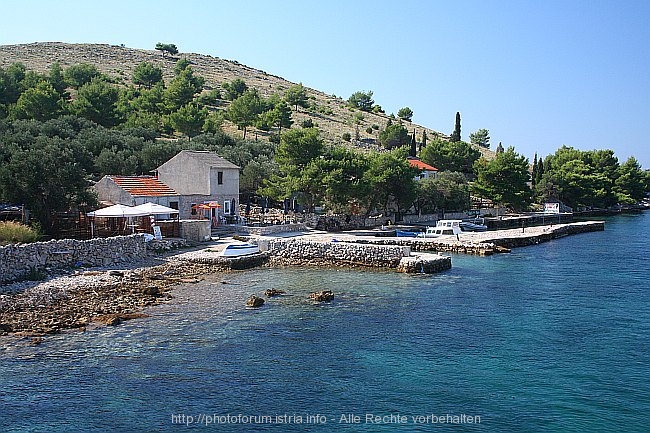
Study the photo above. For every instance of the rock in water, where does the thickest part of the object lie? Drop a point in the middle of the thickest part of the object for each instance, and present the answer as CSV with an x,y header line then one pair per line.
x,y
254,301
322,296
273,292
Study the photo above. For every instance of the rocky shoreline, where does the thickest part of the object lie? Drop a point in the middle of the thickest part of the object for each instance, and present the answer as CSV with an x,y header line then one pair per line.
x,y
91,298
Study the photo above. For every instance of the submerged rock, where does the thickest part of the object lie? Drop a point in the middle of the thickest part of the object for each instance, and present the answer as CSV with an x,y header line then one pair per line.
x,y
322,296
273,292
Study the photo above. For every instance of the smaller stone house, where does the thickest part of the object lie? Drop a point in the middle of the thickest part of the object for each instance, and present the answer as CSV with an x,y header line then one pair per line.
x,y
135,190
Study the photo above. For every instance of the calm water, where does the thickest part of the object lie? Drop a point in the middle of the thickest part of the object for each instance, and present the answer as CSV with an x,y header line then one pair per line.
x,y
554,337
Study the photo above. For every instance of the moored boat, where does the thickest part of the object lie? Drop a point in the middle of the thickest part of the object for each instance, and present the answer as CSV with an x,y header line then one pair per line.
x,y
442,228
242,249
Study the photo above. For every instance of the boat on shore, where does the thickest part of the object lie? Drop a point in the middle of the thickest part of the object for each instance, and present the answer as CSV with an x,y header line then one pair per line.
x,y
242,249
442,228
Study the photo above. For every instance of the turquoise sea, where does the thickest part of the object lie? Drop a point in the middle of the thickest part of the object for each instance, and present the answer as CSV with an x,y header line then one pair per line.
x,y
553,337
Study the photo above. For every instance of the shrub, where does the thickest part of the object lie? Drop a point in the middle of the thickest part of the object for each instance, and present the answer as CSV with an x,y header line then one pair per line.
x,y
346,136
12,232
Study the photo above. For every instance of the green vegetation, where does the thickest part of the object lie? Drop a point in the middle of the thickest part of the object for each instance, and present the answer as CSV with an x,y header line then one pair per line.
x,y
405,114
450,155
589,179
361,100
455,136
13,232
63,130
504,180
395,135
480,138
165,49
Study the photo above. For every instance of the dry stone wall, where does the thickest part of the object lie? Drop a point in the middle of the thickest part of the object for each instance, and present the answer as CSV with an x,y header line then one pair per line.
x,y
18,262
295,252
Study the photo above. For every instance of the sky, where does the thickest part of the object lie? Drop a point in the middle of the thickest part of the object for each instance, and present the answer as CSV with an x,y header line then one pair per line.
x,y
538,74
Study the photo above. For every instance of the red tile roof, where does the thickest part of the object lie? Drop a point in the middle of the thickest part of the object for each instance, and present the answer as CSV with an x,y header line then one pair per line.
x,y
143,185
421,165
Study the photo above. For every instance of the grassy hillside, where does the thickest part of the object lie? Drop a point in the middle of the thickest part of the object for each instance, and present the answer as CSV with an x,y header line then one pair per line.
x,y
329,113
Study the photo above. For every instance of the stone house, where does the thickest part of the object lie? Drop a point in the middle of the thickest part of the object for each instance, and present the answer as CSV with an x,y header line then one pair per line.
x,y
203,178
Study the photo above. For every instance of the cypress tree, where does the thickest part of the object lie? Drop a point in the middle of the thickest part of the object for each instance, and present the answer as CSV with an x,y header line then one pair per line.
x,y
455,136
540,171
413,151
533,177
424,140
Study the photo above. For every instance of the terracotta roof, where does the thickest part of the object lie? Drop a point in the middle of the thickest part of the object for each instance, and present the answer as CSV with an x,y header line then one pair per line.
x,y
421,165
143,185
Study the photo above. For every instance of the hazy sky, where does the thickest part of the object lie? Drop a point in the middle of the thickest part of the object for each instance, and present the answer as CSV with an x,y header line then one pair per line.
x,y
537,74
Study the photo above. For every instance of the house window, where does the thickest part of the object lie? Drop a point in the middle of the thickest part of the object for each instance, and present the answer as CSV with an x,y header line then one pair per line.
x,y
193,207
226,207
173,205
220,177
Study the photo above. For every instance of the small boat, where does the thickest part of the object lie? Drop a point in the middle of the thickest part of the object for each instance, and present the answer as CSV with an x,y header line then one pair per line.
x,y
475,225
235,250
405,234
442,228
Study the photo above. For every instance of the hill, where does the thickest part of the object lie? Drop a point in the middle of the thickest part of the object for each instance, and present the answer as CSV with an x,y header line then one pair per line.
x,y
330,113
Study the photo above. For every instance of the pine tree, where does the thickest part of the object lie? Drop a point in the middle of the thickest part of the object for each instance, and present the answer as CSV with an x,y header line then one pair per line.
x,y
455,136
499,148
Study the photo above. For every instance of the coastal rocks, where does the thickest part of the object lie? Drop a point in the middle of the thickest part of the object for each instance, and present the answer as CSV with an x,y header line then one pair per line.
x,y
322,296
104,297
116,319
254,301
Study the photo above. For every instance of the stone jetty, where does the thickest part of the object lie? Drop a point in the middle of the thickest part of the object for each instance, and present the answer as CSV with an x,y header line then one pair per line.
x,y
483,243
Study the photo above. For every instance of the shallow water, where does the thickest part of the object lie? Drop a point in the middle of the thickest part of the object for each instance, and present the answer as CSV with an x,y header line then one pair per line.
x,y
553,337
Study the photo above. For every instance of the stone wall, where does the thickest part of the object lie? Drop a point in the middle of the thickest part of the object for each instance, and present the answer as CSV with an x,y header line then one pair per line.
x,y
23,261
196,230
271,230
296,252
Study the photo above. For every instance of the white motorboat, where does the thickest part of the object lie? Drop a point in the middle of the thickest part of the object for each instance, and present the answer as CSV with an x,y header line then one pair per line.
x,y
242,249
442,228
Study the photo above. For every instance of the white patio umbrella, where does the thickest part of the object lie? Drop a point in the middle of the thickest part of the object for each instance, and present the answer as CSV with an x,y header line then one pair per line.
x,y
155,209
117,211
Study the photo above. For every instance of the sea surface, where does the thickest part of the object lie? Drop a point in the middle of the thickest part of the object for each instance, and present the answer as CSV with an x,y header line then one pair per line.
x,y
553,337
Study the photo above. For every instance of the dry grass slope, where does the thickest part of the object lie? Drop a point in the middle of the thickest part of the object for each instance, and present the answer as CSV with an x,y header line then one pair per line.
x,y
331,115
